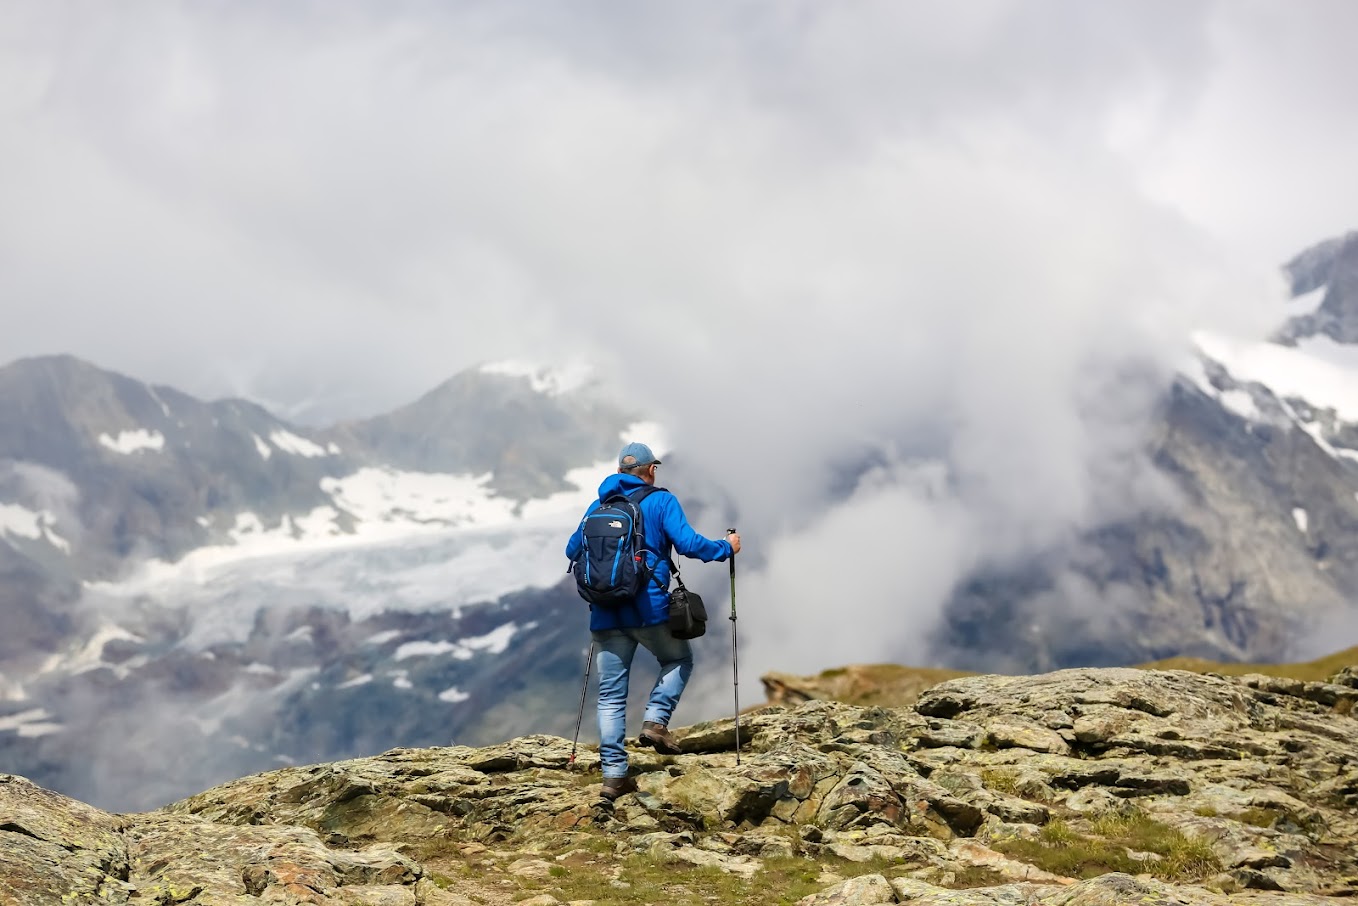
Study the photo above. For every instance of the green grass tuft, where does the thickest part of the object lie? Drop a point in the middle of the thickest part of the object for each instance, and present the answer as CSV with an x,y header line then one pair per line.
x,y
1108,846
648,879
1000,780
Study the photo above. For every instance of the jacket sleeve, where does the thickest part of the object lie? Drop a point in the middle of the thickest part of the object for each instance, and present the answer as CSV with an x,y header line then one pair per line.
x,y
685,540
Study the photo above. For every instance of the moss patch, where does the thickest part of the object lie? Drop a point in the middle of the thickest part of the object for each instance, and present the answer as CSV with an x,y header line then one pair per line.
x,y
1259,817
643,878
1109,845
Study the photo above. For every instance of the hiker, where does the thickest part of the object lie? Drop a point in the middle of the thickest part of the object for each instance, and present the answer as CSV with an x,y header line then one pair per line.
x,y
642,619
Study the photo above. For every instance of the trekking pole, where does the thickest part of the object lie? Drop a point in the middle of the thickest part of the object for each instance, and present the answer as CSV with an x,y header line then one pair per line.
x,y
735,660
589,662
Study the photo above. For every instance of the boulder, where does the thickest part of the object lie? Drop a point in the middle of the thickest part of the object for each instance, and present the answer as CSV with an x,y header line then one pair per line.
x,y
865,890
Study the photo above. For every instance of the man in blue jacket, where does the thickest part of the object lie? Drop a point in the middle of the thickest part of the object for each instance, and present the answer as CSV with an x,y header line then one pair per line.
x,y
644,621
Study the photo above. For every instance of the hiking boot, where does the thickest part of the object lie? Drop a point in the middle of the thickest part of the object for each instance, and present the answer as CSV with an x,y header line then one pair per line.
x,y
658,736
617,786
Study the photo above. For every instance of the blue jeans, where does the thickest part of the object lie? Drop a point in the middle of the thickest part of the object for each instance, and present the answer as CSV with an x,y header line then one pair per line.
x,y
616,647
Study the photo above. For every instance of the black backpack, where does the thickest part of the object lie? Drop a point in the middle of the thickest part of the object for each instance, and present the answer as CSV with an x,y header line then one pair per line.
x,y
611,567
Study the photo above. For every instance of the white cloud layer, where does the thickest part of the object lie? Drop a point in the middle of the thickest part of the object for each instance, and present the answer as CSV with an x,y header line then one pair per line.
x,y
831,243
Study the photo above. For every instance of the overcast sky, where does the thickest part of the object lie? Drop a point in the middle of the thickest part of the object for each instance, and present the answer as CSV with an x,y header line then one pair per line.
x,y
805,235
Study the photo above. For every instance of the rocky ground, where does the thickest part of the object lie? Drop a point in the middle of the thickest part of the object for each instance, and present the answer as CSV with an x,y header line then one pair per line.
x,y
1077,788
884,685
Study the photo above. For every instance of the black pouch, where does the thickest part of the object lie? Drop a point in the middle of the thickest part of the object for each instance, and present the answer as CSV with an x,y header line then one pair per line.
x,y
688,615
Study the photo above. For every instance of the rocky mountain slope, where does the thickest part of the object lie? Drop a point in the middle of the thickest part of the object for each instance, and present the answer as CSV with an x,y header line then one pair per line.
x,y
1091,786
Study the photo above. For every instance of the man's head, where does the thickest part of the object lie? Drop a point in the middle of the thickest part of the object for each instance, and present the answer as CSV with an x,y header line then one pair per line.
x,y
637,459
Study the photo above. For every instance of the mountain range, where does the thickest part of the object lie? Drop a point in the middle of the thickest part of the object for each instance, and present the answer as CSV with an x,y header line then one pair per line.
x,y
197,590
193,589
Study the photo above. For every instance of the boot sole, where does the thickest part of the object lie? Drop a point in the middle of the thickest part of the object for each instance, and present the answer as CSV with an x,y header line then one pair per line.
x,y
658,745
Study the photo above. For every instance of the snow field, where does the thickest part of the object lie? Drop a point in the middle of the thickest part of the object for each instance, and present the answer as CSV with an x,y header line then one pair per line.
x,y
22,522
387,506
129,442
493,642
89,655
416,541
300,446
1318,370
1306,303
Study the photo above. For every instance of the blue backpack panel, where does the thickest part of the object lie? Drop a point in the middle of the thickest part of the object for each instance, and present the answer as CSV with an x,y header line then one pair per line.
x,y
610,568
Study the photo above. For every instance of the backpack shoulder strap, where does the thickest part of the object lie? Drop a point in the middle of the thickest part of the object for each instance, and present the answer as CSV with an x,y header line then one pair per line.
x,y
641,494
636,497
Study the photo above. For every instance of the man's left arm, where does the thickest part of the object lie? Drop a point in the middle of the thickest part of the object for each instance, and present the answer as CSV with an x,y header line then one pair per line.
x,y
687,541
577,540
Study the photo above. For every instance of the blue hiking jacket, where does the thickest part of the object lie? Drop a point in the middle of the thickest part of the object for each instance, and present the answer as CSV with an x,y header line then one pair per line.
x,y
666,530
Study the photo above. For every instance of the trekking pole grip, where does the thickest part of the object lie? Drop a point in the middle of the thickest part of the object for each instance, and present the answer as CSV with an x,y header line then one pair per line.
x,y
732,531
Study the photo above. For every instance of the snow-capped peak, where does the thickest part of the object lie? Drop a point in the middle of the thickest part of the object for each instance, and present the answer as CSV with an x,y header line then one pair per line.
x,y
553,380
1318,370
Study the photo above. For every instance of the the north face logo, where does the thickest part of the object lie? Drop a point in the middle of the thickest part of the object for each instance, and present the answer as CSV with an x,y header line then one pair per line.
x,y
615,524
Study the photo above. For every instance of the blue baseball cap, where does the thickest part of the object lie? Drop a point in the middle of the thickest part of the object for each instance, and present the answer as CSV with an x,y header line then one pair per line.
x,y
635,454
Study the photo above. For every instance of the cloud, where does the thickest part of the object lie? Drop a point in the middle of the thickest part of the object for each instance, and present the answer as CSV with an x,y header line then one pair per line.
x,y
1264,161
835,248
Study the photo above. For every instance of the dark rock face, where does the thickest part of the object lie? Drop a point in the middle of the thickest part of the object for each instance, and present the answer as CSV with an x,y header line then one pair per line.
x,y
1333,265
33,604
1228,575
1258,775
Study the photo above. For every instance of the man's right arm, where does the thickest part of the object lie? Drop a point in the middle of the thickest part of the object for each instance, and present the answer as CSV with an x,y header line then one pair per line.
x,y
687,541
